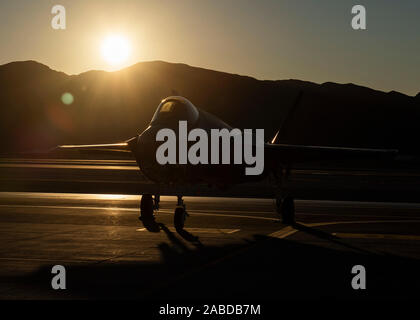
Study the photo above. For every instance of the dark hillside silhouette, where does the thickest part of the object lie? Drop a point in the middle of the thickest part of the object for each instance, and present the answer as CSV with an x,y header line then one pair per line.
x,y
112,106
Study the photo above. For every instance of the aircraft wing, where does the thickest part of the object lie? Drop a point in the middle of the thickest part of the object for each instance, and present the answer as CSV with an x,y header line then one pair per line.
x,y
119,147
123,146
288,153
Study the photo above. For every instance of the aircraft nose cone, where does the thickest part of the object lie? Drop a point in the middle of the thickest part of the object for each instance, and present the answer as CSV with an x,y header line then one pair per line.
x,y
132,143
145,153
142,143
146,139
146,145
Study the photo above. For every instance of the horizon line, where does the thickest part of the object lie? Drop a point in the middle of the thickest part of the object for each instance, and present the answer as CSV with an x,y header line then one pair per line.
x,y
203,68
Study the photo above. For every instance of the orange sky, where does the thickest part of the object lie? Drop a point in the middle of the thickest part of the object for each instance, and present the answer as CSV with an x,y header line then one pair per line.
x,y
307,40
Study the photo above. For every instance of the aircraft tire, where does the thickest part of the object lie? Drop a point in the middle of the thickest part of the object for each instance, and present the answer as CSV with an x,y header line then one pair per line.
x,y
279,202
179,218
146,207
288,210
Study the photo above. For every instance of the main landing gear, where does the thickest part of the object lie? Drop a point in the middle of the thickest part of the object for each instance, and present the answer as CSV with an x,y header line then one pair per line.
x,y
286,208
149,203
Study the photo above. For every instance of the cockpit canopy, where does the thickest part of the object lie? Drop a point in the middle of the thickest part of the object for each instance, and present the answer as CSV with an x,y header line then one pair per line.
x,y
174,109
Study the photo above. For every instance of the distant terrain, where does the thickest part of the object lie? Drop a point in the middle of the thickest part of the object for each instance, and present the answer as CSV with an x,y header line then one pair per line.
x,y
112,106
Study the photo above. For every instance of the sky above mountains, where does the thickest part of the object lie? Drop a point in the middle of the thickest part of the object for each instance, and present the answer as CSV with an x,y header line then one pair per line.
x,y
308,40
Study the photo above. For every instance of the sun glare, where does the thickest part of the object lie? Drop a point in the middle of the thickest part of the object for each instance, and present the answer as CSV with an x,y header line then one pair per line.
x,y
115,50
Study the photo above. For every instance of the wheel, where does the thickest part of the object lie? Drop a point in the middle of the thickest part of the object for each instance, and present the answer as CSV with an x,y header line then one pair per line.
x,y
288,210
279,202
179,218
146,207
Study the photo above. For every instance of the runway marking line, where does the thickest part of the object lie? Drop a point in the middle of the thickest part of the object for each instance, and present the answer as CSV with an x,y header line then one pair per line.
x,y
321,224
73,166
45,260
280,234
47,160
166,211
376,236
289,230
200,230
283,233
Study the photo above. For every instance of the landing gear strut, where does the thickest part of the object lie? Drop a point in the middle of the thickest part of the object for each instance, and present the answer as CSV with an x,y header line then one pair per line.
x,y
148,204
156,200
286,208
180,214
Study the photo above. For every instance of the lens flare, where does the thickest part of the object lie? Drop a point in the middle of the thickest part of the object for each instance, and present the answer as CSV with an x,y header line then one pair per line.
x,y
67,98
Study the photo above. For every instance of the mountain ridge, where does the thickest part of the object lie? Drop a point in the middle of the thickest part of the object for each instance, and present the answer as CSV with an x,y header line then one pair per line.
x,y
112,106
138,64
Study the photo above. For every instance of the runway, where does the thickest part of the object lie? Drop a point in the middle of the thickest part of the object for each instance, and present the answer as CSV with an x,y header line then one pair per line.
x,y
83,214
232,249
122,176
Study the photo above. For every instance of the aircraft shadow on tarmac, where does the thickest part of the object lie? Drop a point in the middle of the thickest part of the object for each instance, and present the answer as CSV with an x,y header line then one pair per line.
x,y
152,226
266,268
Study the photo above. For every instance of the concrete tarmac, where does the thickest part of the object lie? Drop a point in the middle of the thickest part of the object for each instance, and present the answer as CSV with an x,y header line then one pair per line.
x,y
232,248
83,214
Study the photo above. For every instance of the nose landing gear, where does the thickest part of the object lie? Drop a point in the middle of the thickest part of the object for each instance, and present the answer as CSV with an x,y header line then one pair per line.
x,y
180,214
148,204
146,207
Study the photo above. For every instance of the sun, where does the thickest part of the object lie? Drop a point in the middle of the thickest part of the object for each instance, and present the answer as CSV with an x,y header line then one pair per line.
x,y
115,49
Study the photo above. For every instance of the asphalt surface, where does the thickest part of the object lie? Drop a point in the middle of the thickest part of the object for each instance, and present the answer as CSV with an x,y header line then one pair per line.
x,y
232,248
399,182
